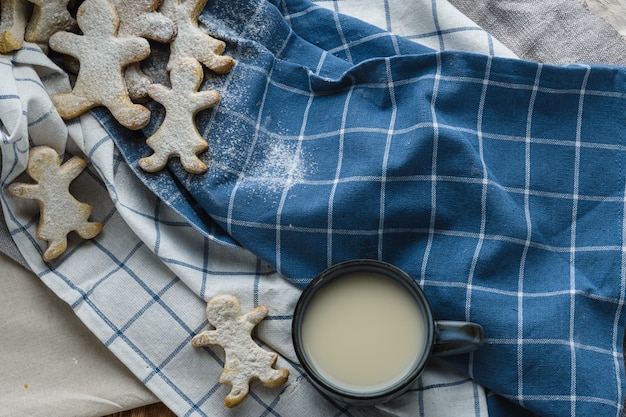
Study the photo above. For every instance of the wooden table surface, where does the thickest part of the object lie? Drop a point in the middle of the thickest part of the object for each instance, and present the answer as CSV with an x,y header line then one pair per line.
x,y
154,410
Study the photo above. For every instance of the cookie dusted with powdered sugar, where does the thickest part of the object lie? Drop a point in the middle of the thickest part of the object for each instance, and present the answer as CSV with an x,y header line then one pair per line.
x,y
245,361
60,212
191,41
103,57
178,135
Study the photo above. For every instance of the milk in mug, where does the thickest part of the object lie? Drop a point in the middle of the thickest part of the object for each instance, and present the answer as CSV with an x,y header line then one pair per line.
x,y
364,331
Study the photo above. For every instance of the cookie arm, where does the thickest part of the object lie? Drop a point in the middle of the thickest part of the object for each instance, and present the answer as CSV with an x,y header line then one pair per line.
x,y
73,167
206,338
159,93
133,49
157,27
22,190
65,42
206,99
256,315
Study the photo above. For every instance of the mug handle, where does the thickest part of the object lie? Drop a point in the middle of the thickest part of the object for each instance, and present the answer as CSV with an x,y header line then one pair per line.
x,y
457,337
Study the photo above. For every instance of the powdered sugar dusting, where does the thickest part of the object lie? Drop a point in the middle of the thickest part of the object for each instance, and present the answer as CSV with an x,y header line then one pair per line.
x,y
281,167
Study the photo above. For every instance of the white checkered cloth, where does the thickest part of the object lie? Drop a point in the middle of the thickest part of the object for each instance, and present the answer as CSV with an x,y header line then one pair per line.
x,y
142,284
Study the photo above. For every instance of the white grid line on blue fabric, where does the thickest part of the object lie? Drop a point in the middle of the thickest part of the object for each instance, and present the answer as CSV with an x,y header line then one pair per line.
x,y
335,181
290,174
321,64
454,79
527,215
435,231
257,124
289,16
466,180
396,46
429,125
560,398
383,180
345,48
546,294
618,340
548,342
304,119
433,170
573,240
483,208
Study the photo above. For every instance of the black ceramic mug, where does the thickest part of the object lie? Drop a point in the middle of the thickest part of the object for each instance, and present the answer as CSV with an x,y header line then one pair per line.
x,y
363,330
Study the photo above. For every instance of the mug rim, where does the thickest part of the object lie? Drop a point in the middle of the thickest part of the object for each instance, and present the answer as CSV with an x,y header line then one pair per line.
x,y
343,269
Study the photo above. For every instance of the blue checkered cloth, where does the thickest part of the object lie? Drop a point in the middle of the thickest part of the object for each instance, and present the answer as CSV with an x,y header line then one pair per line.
x,y
498,184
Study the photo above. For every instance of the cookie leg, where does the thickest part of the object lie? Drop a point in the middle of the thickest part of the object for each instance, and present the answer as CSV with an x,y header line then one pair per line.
x,y
136,82
219,64
193,164
71,105
89,230
55,249
237,394
130,115
211,55
154,162
275,378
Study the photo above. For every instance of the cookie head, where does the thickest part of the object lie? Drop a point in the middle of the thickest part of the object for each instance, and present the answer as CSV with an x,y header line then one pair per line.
x,y
223,309
99,18
43,163
187,75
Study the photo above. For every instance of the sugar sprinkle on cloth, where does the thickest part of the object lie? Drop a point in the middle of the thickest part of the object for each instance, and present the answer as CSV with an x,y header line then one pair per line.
x,y
498,184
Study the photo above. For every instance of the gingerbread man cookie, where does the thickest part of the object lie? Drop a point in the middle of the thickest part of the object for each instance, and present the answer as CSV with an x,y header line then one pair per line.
x,y
141,18
14,16
60,212
102,57
178,134
191,41
49,16
245,360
